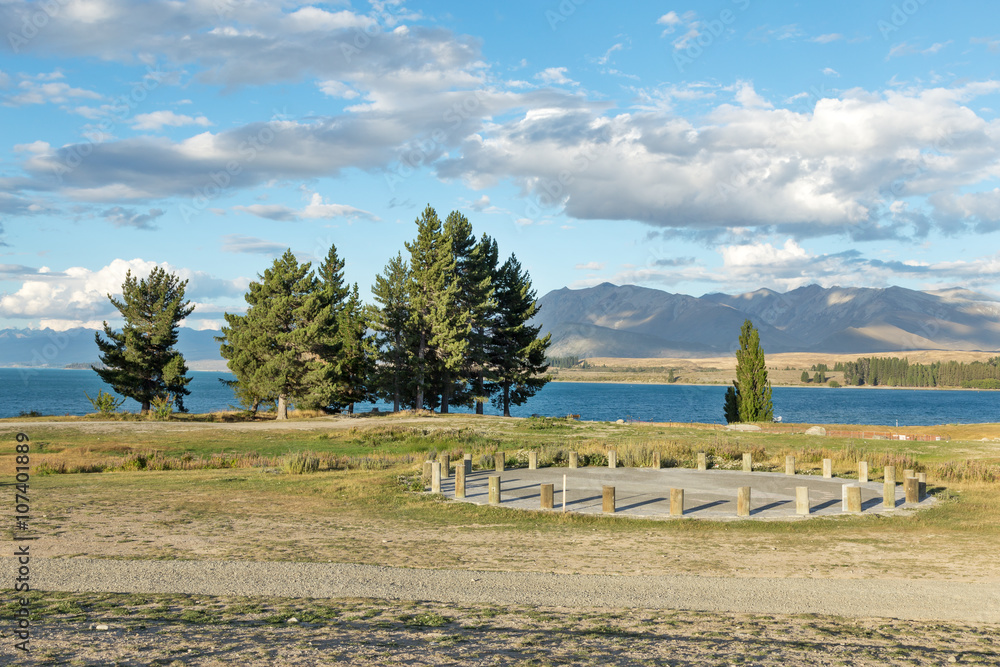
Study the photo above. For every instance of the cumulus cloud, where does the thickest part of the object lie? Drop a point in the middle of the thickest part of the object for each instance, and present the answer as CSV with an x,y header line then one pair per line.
x,y
834,166
34,91
555,76
77,295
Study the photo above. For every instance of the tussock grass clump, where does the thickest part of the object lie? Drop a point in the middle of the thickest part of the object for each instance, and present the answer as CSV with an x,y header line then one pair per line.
x,y
300,463
966,471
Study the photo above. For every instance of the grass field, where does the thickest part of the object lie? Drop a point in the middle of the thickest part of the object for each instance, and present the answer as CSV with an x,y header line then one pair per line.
x,y
195,489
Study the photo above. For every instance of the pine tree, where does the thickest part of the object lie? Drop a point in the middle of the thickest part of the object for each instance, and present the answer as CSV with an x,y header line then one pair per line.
x,y
518,353
389,319
272,348
805,376
731,408
437,333
751,387
141,362
354,365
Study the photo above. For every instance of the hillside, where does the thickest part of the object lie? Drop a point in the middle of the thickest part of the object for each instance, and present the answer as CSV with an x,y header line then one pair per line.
x,y
629,321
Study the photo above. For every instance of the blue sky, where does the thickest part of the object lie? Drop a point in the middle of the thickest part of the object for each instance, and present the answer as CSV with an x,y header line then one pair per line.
x,y
699,147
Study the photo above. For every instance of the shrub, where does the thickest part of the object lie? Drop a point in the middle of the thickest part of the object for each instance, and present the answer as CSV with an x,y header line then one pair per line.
x,y
105,403
300,463
162,407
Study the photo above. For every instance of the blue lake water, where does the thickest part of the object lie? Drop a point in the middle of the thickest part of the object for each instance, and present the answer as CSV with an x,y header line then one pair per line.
x,y
60,392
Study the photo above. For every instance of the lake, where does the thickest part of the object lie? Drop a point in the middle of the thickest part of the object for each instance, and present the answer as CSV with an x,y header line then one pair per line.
x,y
61,392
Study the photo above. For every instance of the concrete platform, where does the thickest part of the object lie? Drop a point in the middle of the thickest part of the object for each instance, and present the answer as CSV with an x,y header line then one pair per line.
x,y
708,494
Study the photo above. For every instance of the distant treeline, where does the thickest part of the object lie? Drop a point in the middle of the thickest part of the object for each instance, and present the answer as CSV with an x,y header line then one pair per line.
x,y
565,361
896,372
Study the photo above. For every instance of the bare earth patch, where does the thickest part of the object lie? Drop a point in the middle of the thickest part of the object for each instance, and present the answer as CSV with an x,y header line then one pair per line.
x,y
199,630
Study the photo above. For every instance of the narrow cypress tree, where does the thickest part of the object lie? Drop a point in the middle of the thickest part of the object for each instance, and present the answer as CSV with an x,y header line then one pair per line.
x,y
141,362
518,354
731,407
752,388
389,319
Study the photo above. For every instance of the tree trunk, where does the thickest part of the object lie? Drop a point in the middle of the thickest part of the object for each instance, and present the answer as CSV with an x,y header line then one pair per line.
x,y
506,400
350,409
282,408
479,394
445,394
419,403
145,408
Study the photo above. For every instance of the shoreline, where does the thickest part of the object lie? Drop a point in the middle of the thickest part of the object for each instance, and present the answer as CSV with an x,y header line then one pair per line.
x,y
773,386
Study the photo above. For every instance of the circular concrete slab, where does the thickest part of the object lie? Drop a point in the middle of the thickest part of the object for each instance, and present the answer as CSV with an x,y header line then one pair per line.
x,y
708,494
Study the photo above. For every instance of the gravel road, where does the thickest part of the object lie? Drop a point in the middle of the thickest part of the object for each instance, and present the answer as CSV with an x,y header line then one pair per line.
x,y
902,599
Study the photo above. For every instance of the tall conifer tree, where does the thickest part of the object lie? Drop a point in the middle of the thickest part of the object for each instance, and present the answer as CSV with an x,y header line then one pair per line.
x,y
141,362
518,353
752,388
389,319
278,331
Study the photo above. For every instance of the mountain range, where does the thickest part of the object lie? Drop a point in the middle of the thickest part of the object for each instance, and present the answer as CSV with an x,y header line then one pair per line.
x,y
629,321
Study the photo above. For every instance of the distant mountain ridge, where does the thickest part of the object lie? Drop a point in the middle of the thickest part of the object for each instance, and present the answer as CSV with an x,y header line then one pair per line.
x,y
40,348
629,321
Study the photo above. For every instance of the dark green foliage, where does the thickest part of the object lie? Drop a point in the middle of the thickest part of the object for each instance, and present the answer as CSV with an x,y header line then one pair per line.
x,y
389,318
518,355
805,376
751,390
730,408
105,403
567,361
141,362
270,348
896,372
437,329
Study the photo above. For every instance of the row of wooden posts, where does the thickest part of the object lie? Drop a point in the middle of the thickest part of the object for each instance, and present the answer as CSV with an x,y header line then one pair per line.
x,y
914,485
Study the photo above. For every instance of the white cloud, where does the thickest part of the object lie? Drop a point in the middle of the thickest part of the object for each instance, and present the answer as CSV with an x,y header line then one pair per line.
x,y
237,243
555,76
31,91
590,266
755,255
826,39
829,71
158,119
77,295
337,89
317,209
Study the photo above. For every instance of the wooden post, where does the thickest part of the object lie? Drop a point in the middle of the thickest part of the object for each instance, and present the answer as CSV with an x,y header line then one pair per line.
x,y
498,461
445,466
532,460
912,487
676,502
656,460
547,493
863,472
612,458
889,474
494,489
608,499
828,468
802,500
428,471
702,461
436,477
747,462
564,493
922,477
888,492
789,465
853,498
743,501
467,464
459,481
574,460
